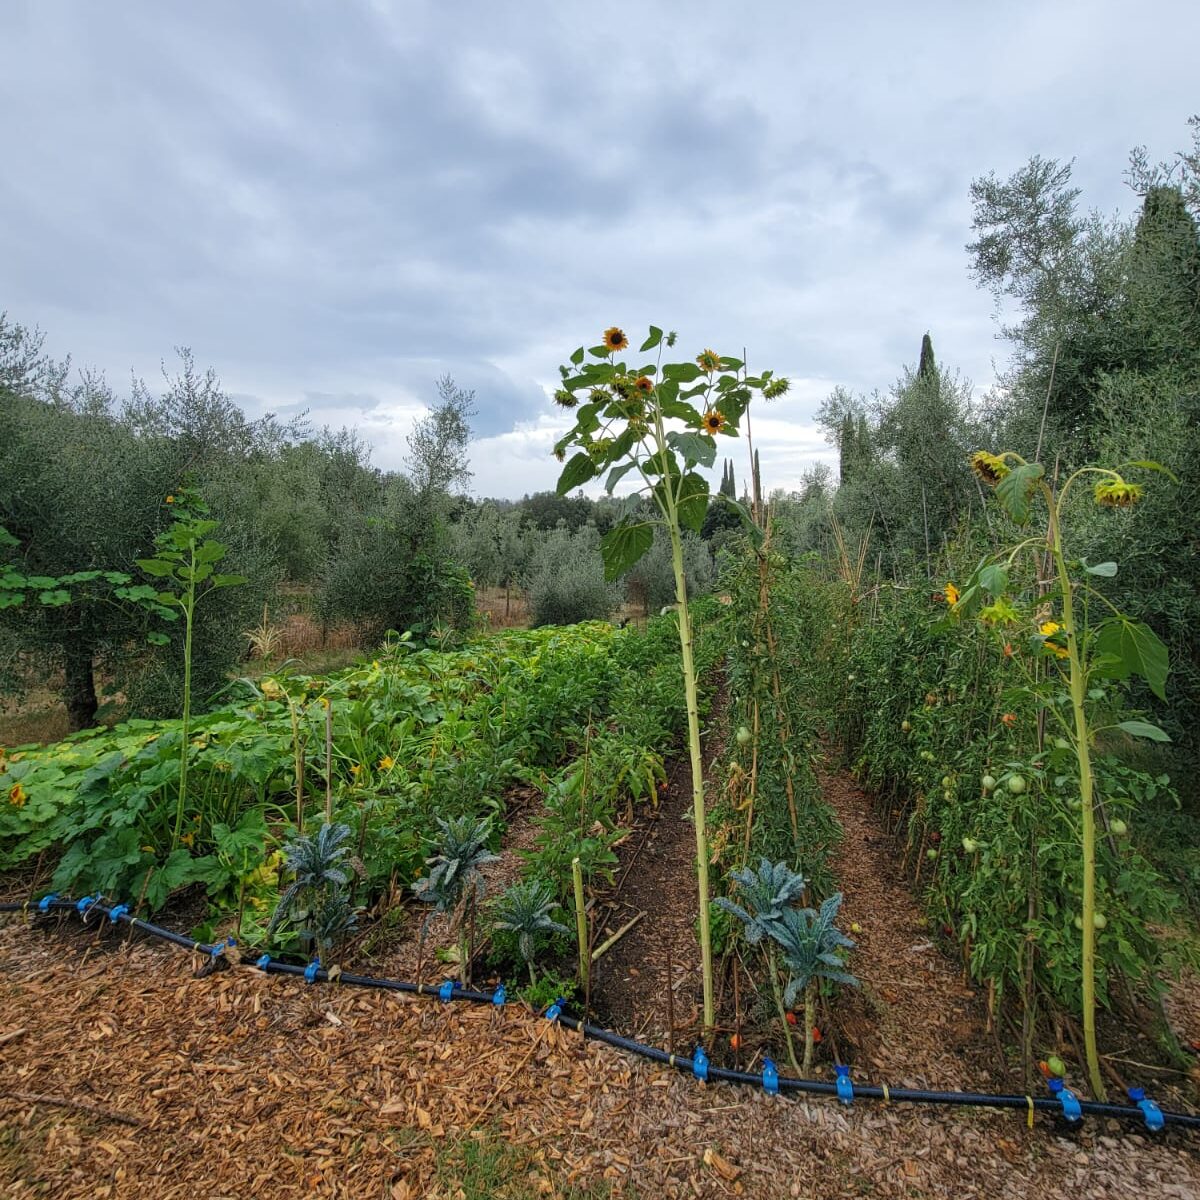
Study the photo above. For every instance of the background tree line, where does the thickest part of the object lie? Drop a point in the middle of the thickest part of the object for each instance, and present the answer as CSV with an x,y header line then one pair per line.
x,y
1104,328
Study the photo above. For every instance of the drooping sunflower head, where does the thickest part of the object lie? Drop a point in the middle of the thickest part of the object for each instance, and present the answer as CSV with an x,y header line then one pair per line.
x,y
560,454
774,388
565,399
615,339
991,468
713,421
644,383
709,361
1116,493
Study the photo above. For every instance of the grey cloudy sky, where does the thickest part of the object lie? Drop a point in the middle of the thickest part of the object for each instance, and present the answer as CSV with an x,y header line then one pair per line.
x,y
335,203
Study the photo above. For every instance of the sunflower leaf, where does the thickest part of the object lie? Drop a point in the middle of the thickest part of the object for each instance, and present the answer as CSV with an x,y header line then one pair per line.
x,y
652,341
576,473
577,357
692,503
695,447
623,545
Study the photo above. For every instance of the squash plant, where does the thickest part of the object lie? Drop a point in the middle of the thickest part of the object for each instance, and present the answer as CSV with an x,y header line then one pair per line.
x,y
1077,654
658,421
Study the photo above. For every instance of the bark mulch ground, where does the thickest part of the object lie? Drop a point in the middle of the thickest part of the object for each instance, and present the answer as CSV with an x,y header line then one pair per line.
x,y
242,1085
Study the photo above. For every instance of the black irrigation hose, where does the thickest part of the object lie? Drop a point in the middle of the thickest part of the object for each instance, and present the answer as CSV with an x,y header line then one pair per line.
x,y
843,1090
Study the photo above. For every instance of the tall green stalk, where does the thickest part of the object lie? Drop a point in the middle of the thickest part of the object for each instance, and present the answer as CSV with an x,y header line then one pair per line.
x,y
187,602
1078,686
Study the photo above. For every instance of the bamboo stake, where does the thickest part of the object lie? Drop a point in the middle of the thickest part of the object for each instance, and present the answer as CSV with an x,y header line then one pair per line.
x,y
581,934
605,947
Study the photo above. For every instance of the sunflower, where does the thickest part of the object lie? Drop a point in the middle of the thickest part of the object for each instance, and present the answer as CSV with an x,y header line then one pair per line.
x,y
1049,630
564,398
713,421
775,388
1116,493
644,383
709,361
991,468
615,339
387,762
951,594
560,454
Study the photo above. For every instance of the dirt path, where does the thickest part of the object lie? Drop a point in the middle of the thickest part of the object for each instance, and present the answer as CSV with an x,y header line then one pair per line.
x,y
656,877
915,1022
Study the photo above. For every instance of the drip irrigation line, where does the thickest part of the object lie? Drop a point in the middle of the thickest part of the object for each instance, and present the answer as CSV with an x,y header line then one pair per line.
x,y
1062,1102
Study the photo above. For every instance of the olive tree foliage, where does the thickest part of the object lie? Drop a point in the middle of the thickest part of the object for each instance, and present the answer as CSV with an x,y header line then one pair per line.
x,y
566,579
493,543
651,581
82,487
394,566
1104,321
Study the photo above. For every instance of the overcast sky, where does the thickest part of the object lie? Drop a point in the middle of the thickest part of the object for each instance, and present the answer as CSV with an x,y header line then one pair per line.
x,y
335,203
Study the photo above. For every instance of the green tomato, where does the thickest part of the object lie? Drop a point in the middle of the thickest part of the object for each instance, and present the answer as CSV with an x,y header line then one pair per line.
x,y
1056,1066
989,783
970,845
743,735
948,796
1079,923
947,782
1099,920
931,853
906,726
1016,784
1119,828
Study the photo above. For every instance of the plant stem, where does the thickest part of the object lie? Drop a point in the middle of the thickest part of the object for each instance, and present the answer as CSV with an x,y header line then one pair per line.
x,y
787,1029
810,1020
581,935
1086,794
188,605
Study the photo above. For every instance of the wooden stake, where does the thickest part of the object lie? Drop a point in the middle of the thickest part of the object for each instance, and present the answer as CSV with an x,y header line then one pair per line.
x,y
581,931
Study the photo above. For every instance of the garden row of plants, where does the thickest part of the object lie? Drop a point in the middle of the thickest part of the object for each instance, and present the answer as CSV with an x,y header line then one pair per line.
x,y
383,748
992,719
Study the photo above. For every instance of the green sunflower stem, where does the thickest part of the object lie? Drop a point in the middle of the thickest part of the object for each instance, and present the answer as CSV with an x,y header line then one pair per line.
x,y
1078,687
697,761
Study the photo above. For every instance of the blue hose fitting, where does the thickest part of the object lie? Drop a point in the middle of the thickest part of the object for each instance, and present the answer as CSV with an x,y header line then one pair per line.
x,y
83,905
45,902
446,991
845,1086
1150,1110
555,1010
700,1064
1067,1098
499,996
117,912
310,972
770,1078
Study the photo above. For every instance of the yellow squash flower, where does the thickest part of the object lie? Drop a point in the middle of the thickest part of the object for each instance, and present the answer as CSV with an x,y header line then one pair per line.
x,y
17,795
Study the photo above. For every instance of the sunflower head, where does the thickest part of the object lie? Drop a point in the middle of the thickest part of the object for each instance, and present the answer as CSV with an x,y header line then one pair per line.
x,y
991,468
644,383
951,594
560,454
615,339
709,361
1116,493
564,398
774,388
713,421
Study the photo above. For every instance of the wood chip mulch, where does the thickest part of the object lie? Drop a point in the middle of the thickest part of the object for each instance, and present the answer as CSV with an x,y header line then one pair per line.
x,y
244,1085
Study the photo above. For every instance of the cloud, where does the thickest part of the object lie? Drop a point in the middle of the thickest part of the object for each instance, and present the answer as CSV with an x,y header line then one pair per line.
x,y
337,205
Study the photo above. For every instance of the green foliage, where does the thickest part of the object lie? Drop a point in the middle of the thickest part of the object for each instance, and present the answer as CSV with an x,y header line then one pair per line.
x,y
765,893
567,580
454,869
315,904
525,909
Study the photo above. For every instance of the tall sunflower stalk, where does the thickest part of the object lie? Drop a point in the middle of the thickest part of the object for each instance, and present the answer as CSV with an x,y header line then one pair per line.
x,y
1114,648
660,421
